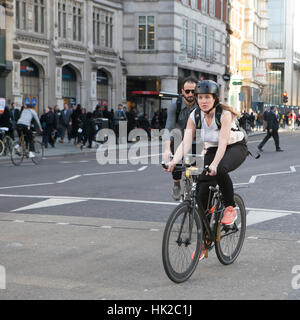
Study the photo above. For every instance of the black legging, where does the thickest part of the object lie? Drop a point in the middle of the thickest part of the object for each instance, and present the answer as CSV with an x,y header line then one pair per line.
x,y
234,156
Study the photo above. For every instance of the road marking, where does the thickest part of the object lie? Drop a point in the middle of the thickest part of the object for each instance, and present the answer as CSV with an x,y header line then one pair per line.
x,y
69,179
112,172
258,216
48,203
143,168
28,185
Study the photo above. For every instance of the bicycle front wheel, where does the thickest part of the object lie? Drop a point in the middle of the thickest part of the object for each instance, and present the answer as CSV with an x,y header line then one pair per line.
x,y
182,242
39,152
8,143
17,153
232,237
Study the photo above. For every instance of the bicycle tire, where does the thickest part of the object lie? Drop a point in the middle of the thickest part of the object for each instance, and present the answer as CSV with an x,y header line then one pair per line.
x,y
233,241
186,264
39,152
8,143
2,147
17,154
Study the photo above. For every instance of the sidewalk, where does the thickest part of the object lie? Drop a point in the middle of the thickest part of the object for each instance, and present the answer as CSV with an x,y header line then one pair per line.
x,y
67,149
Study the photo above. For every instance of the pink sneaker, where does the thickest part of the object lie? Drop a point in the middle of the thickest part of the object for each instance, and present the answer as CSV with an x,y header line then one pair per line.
x,y
202,254
230,216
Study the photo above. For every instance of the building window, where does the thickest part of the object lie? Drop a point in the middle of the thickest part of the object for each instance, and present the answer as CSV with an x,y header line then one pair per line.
x,y
211,48
204,42
194,39
146,33
77,23
102,28
39,16
184,43
62,20
212,8
204,6
21,14
194,4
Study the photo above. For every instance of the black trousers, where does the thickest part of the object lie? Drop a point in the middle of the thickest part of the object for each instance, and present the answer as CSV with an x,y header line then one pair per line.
x,y
275,136
234,156
27,134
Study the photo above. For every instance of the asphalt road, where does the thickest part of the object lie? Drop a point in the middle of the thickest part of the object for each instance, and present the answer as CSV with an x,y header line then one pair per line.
x,y
74,229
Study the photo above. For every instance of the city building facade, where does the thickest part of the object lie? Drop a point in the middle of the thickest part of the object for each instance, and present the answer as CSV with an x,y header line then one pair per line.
x,y
283,60
250,22
67,51
166,41
6,43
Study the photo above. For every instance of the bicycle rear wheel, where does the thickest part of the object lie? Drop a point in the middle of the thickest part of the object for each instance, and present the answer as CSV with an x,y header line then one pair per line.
x,y
181,248
2,147
17,153
39,152
232,238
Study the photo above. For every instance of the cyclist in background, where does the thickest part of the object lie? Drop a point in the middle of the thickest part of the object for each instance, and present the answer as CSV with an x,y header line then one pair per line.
x,y
24,125
224,146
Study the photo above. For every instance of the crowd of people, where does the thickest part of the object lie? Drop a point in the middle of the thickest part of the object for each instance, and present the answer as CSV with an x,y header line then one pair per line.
x,y
256,121
76,124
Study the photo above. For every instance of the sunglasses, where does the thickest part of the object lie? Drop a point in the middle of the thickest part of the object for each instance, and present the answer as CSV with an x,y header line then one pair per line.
x,y
188,91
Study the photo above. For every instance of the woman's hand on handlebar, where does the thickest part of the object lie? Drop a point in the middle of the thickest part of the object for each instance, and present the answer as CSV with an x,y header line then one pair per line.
x,y
212,170
169,166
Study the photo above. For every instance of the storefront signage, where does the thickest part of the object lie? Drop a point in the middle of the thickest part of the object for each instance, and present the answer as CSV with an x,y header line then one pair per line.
x,y
153,93
245,65
27,101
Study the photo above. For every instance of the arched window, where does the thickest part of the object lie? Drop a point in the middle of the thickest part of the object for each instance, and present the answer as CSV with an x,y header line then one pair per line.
x,y
69,85
30,83
102,87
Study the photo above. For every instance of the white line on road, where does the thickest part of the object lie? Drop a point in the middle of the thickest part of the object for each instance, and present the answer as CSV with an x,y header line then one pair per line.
x,y
104,173
69,179
143,168
27,185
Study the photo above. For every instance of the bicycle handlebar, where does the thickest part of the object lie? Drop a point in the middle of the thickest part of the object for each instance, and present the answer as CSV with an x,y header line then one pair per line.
x,y
184,167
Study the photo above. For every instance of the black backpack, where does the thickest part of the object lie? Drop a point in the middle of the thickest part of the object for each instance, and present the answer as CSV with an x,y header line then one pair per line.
x,y
178,106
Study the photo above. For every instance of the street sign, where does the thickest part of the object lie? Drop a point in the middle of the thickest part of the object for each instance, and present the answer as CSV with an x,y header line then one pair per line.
x,y
237,83
33,101
226,77
27,101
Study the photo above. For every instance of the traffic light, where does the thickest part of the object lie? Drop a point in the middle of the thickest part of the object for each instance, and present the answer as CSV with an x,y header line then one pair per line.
x,y
285,98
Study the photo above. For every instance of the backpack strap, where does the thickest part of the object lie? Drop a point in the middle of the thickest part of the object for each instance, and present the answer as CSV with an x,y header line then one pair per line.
x,y
178,106
218,114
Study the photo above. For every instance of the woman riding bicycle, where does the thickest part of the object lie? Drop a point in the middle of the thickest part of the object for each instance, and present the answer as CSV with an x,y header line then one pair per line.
x,y
224,145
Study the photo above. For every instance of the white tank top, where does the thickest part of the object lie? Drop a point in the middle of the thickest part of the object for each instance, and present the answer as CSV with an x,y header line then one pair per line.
x,y
210,134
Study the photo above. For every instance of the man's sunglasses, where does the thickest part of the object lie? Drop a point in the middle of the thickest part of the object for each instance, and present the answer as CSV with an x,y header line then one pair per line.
x,y
188,91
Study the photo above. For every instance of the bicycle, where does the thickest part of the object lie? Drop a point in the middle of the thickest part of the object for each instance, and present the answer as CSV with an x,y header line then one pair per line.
x,y
189,226
6,142
19,150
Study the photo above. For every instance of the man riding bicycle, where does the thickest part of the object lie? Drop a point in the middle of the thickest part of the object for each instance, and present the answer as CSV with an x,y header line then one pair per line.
x,y
24,126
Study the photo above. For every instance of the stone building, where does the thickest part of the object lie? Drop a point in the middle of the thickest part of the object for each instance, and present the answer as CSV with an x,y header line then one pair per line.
x,y
6,43
67,51
168,40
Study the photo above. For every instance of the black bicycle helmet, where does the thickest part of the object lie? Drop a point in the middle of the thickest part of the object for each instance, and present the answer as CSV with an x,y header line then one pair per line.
x,y
207,86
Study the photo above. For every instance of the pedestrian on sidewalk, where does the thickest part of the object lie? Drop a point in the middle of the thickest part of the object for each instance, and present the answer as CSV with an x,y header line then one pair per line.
x,y
272,130
66,123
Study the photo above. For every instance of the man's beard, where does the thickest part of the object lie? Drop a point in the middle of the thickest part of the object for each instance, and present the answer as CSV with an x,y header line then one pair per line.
x,y
190,99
